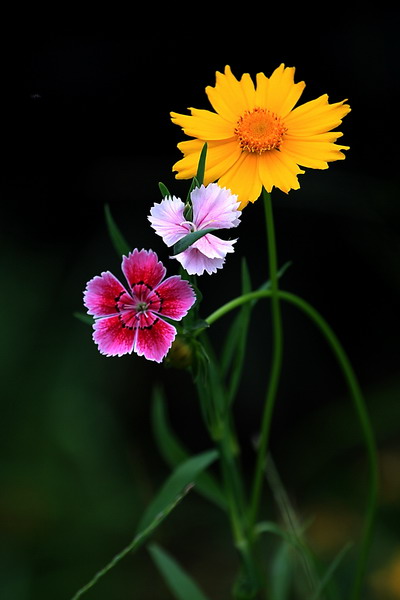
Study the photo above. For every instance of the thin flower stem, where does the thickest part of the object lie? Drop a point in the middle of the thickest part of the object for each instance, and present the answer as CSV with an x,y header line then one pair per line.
x,y
358,402
221,430
275,366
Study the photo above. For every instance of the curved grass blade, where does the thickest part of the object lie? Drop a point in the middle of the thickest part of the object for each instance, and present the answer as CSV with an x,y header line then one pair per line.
x,y
329,573
201,167
174,452
198,179
181,585
164,190
139,539
118,240
185,474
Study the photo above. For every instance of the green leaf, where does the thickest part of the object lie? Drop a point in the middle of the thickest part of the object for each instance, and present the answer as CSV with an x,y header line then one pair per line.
x,y
190,239
198,179
292,523
164,190
182,586
281,574
141,537
119,243
267,284
202,165
185,474
174,452
237,332
329,572
84,318
271,527
234,351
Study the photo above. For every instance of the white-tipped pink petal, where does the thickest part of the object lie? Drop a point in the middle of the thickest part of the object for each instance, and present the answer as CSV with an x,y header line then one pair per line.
x,y
167,220
143,266
112,338
195,262
102,293
176,297
213,247
214,206
154,341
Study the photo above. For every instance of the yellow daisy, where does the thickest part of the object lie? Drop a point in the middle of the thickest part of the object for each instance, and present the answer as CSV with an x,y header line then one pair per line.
x,y
256,138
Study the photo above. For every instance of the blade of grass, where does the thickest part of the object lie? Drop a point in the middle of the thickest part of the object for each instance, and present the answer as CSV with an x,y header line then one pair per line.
x,y
140,538
118,240
174,452
185,473
181,585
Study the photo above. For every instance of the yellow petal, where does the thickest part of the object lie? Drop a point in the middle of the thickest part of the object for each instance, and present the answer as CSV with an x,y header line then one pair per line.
x,y
231,98
279,93
187,167
243,179
313,152
316,116
220,157
203,124
279,170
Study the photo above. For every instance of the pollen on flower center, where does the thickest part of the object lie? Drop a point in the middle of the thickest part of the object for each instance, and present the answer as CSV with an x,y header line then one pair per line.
x,y
141,306
259,130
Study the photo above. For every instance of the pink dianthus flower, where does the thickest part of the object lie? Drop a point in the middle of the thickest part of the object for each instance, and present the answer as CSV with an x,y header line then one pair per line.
x,y
130,319
212,206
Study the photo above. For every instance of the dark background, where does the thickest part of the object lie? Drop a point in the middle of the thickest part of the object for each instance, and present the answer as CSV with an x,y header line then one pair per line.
x,y
86,123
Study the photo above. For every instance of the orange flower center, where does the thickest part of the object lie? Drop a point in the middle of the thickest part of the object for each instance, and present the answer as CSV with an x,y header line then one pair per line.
x,y
259,130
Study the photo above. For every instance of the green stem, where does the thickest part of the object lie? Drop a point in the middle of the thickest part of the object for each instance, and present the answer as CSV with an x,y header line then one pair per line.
x,y
275,365
359,405
247,585
220,427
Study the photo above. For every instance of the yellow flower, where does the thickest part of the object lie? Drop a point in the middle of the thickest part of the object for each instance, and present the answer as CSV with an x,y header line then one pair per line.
x,y
255,137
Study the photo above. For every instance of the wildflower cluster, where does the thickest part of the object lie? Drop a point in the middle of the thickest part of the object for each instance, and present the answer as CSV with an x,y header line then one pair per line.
x,y
256,139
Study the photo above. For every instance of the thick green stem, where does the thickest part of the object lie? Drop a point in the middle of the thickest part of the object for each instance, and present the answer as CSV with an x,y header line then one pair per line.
x,y
277,347
358,402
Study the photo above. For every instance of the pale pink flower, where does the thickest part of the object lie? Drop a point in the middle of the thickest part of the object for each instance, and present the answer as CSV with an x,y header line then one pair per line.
x,y
130,319
212,206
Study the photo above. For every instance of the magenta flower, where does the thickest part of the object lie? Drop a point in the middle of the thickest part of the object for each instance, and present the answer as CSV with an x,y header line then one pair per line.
x,y
212,206
131,319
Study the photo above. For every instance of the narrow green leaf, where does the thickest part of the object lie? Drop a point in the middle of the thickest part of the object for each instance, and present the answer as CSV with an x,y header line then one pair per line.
x,y
189,239
237,331
330,571
174,452
234,351
186,473
271,527
202,165
164,190
119,243
198,179
211,389
281,574
84,318
267,284
292,524
139,539
181,585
